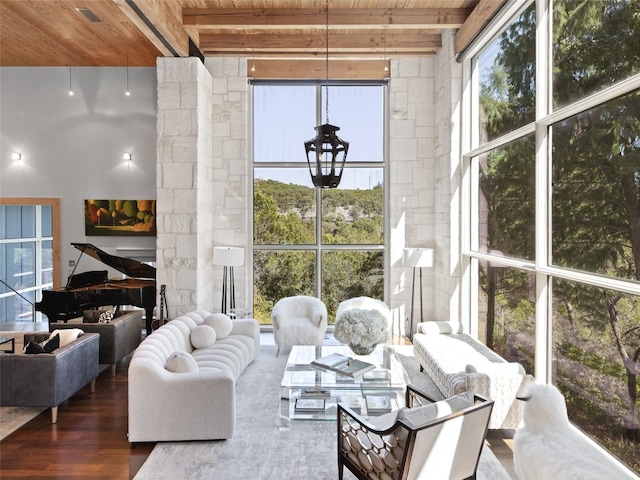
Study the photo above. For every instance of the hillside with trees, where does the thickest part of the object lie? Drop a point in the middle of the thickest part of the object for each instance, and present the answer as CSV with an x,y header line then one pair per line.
x,y
285,214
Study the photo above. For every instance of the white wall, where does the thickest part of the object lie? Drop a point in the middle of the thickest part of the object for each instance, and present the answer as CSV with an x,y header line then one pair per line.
x,y
72,146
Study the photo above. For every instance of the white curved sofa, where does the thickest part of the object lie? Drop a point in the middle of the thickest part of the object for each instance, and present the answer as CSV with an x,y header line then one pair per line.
x,y
189,405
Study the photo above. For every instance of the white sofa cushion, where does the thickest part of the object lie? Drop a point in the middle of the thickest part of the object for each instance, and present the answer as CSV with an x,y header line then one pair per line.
x,y
435,328
66,336
203,336
221,323
181,362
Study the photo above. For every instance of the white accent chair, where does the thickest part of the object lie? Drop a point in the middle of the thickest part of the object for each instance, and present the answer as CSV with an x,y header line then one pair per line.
x,y
426,439
299,320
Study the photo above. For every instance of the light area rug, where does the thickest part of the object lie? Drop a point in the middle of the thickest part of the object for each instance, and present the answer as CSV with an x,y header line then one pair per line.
x,y
12,418
266,447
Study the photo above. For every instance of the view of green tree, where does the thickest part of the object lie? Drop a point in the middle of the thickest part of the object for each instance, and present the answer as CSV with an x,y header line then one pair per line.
x,y
595,205
284,214
279,274
349,274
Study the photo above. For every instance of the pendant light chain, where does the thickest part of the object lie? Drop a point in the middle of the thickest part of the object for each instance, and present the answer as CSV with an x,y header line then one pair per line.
x,y
326,108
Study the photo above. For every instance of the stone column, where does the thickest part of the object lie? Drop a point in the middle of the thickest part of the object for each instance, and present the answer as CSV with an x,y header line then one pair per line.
x,y
184,184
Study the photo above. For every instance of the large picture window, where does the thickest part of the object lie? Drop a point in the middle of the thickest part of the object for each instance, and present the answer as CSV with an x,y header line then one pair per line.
x,y
325,243
29,240
552,171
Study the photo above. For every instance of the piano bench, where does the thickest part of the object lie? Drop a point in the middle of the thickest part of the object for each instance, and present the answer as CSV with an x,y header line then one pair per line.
x,y
118,338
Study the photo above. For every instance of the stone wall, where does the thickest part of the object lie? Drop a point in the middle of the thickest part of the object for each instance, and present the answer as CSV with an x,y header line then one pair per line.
x,y
204,176
184,177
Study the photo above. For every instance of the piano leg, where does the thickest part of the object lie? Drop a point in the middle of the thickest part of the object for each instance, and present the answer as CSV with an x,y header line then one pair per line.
x,y
148,318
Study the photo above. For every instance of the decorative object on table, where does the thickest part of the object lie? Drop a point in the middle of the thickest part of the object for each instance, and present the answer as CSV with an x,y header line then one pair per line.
x,y
310,404
329,151
417,258
377,403
377,376
362,330
228,257
120,217
343,365
298,320
352,400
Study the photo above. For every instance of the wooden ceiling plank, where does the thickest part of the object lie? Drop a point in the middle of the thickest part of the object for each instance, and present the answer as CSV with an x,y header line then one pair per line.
x,y
354,18
353,56
317,42
481,15
316,70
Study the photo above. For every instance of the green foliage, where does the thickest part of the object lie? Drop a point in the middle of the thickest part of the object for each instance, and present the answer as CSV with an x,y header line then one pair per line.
x,y
595,362
285,215
595,197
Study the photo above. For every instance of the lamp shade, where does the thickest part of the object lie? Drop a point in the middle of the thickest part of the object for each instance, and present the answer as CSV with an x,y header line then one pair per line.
x,y
418,257
228,256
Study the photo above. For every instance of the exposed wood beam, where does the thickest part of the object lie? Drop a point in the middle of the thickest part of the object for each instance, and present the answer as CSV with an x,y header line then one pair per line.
x,y
352,18
484,11
361,44
166,32
317,69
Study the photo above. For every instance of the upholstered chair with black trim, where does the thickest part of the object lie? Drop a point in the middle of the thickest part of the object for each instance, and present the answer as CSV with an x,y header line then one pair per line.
x,y
426,439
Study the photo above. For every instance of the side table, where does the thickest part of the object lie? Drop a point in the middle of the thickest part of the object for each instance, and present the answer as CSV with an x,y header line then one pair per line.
x,y
240,313
10,340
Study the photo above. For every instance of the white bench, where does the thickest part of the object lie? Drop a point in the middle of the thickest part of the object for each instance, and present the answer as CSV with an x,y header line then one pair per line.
x,y
456,363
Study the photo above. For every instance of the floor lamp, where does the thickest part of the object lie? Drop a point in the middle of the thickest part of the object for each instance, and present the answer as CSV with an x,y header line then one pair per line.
x,y
228,257
417,258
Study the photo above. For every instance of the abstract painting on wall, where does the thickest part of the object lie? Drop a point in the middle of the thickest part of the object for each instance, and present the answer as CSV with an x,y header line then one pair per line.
x,y
120,217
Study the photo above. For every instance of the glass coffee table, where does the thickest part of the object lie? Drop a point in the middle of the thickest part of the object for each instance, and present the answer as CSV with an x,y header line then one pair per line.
x,y
312,393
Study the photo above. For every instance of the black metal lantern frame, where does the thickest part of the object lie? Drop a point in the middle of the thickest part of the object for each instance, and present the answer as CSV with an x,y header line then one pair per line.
x,y
326,153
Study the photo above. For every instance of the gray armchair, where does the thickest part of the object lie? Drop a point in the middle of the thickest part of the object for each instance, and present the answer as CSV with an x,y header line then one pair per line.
x,y
118,338
48,379
426,439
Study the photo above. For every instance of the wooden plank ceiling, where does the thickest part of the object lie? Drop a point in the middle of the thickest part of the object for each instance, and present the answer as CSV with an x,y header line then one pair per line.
x,y
280,38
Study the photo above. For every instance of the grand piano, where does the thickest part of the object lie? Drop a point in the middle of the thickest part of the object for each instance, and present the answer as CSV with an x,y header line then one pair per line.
x,y
94,289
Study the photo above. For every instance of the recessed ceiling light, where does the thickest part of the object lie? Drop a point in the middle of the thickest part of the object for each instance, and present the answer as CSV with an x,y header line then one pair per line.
x,y
89,15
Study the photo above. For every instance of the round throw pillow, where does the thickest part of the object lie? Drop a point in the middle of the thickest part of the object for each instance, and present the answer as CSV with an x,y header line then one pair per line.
x,y
221,323
181,362
203,336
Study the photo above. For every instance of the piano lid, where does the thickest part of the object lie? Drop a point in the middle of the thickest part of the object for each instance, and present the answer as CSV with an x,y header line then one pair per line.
x,y
128,266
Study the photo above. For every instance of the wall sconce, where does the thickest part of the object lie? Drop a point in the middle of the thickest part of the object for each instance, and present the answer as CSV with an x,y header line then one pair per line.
x,y
127,157
417,258
16,156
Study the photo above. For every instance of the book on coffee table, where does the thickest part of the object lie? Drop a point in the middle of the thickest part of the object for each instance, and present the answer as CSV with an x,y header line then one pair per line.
x,y
343,365
352,400
377,403
309,404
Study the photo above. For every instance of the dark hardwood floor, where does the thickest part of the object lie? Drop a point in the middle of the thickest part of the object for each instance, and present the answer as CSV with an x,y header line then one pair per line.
x,y
89,441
